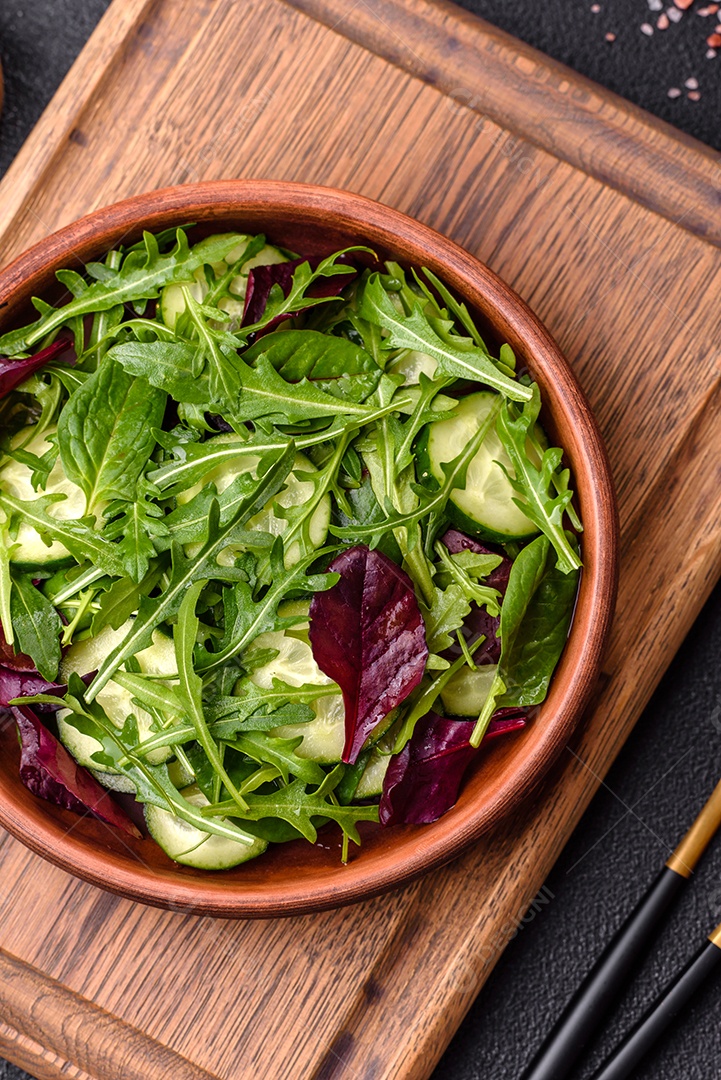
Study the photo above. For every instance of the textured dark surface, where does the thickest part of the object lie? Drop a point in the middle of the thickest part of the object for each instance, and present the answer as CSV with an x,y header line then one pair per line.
x,y
672,760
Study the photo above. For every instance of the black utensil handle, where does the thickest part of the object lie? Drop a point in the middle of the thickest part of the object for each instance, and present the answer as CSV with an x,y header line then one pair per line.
x,y
656,1021
597,995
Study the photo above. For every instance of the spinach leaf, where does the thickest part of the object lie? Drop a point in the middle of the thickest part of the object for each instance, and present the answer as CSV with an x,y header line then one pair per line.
x,y
36,625
535,617
167,365
105,433
346,370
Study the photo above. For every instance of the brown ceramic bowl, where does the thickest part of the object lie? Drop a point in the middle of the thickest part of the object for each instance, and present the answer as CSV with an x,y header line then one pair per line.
x,y
297,877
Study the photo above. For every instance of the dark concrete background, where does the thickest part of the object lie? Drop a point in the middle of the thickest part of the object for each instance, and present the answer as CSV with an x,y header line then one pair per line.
x,y
672,760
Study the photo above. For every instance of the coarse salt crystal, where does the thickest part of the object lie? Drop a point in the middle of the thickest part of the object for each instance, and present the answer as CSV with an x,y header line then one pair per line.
x,y
674,14
684,5
710,54
610,37
655,5
674,92
694,95
646,28
691,84
713,41
595,8
662,22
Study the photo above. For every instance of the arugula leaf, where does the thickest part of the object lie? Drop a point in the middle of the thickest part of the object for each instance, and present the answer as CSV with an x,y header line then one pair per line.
x,y
151,783
247,616
271,750
298,806
265,393
185,572
139,527
122,599
190,688
77,536
105,433
432,502
446,613
36,626
536,485
457,358
465,568
143,273
282,302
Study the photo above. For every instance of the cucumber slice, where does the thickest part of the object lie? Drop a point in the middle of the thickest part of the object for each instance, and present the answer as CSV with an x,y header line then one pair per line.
x,y
295,493
113,781
15,477
172,300
466,693
86,656
324,736
371,782
485,506
191,847
411,365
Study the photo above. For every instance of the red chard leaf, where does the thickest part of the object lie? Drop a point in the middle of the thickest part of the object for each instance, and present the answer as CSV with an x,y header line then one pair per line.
x,y
14,372
423,781
15,684
367,634
48,770
9,658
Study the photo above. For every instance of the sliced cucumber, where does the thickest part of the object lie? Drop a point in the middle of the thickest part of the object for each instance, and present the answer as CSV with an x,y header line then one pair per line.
x,y
371,782
113,781
485,506
172,300
295,493
191,847
411,365
180,777
467,691
324,736
86,656
32,551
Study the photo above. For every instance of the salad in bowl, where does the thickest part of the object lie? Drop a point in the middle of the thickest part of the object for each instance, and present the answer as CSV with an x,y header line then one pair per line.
x,y
284,545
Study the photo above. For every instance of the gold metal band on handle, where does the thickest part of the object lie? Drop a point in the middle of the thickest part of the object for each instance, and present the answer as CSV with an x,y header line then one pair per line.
x,y
689,851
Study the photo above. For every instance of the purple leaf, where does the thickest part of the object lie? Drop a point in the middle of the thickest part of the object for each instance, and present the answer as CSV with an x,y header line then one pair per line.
x,y
423,781
367,633
478,621
14,372
14,660
48,770
15,684
261,279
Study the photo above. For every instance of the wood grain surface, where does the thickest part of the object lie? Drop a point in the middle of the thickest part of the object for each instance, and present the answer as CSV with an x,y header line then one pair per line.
x,y
607,225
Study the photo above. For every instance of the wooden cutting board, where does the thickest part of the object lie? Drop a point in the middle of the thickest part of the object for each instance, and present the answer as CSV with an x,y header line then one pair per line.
x,y
609,224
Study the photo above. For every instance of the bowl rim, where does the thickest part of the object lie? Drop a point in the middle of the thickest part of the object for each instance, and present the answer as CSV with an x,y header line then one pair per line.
x,y
428,847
